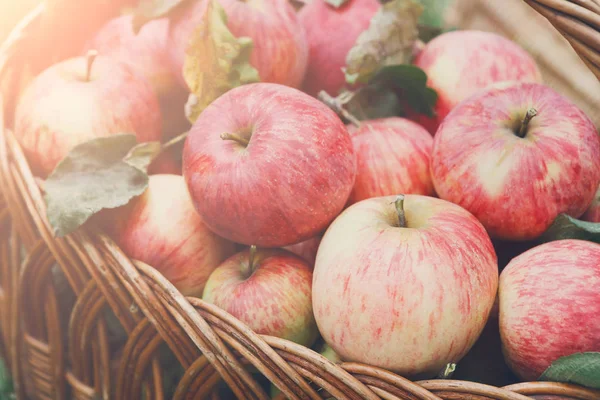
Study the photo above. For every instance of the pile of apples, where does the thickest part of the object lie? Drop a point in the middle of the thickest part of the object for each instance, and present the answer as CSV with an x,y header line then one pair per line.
x,y
379,238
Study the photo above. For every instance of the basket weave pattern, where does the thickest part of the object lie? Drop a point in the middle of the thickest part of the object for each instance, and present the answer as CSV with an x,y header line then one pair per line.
x,y
58,353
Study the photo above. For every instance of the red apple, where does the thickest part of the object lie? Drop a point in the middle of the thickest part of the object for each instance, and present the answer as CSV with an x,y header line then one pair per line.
x,y
405,287
147,54
269,290
306,249
331,33
162,229
269,165
280,50
593,212
80,99
549,305
460,63
393,156
517,174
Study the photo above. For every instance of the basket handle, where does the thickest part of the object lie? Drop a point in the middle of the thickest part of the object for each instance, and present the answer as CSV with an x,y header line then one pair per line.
x,y
578,21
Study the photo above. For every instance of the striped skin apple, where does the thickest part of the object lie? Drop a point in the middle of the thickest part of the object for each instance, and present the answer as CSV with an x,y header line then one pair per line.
x,y
162,229
460,63
280,48
331,33
267,289
593,212
404,283
517,155
268,165
393,156
549,305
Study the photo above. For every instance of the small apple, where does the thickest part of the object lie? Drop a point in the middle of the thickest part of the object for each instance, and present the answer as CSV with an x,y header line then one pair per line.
x,y
80,99
516,155
280,48
267,289
593,212
306,249
267,164
146,53
404,283
331,33
462,62
393,156
549,305
162,229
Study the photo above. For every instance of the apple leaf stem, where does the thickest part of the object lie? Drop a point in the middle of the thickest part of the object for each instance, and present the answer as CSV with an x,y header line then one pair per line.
x,y
399,203
91,56
336,104
251,256
531,113
234,137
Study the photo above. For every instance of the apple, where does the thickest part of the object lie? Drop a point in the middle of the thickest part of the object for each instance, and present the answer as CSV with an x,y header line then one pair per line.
x,y
331,33
549,305
393,156
80,99
147,54
404,283
269,165
267,289
462,62
592,214
306,249
516,155
162,229
166,163
280,48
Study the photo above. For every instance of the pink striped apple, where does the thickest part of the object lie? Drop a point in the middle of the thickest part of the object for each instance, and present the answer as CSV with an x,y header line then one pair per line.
x,y
460,63
331,33
267,289
516,155
405,283
280,50
162,229
549,305
269,165
592,214
393,156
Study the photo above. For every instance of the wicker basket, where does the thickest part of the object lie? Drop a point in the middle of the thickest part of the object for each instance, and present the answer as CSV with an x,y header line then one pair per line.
x,y
60,350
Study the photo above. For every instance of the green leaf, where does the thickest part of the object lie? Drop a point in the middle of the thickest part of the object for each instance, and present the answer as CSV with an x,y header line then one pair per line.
x,y
142,155
580,369
373,102
216,61
336,3
148,10
389,40
567,227
92,177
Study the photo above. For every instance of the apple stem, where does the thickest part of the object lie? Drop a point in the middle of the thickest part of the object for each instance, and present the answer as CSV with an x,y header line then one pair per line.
x,y
337,105
237,138
91,56
251,260
399,203
531,113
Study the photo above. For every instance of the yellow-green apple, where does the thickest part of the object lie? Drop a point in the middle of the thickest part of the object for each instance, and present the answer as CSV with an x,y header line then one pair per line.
x,y
393,156
306,249
147,54
280,48
592,214
516,155
460,63
267,289
80,99
549,305
269,165
331,33
404,283
162,229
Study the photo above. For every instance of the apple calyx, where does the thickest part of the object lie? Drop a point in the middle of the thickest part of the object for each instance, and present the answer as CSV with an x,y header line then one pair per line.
x,y
90,57
531,113
399,203
237,138
251,264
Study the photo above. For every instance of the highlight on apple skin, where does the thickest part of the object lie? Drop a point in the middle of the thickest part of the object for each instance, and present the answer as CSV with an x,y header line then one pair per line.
x,y
268,165
267,289
80,99
549,305
460,63
393,156
405,283
162,229
516,155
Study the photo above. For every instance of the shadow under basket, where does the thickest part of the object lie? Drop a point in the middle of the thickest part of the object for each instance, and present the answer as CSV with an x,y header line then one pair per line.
x,y
80,320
